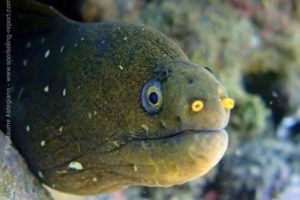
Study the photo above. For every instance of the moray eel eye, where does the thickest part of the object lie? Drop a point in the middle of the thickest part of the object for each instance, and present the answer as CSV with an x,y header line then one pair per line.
x,y
152,98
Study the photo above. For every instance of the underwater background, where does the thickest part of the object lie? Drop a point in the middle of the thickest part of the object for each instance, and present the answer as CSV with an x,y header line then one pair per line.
x,y
253,47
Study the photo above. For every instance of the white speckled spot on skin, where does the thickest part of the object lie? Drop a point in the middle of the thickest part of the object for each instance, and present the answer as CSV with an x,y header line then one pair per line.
x,y
25,62
163,123
27,128
95,179
135,168
125,38
121,67
145,127
46,88
43,40
95,112
47,53
40,174
82,38
116,143
28,45
74,165
60,129
75,45
90,115
274,94
20,93
64,92
43,143
62,172
61,48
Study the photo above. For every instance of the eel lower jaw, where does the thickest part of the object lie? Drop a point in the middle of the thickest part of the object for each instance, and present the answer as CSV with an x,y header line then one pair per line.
x,y
195,131
194,152
173,159
163,161
180,132
200,131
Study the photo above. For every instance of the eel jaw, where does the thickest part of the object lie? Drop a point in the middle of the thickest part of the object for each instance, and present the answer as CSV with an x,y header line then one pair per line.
x,y
175,159
155,162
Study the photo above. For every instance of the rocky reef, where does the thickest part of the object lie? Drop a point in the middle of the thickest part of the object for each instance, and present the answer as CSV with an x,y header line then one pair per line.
x,y
264,169
16,181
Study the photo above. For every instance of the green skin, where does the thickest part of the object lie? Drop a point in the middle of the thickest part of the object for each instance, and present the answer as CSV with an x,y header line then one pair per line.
x,y
100,122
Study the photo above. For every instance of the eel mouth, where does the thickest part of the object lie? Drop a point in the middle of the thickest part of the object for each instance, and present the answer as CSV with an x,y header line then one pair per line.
x,y
197,131
180,132
160,161
173,159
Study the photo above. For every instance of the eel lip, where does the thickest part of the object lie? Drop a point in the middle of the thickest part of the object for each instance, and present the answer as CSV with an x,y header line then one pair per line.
x,y
197,131
207,131
182,132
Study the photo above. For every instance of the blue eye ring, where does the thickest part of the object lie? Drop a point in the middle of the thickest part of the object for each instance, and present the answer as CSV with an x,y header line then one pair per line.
x,y
151,96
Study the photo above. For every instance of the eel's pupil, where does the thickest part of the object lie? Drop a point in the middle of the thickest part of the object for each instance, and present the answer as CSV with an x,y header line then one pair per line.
x,y
153,97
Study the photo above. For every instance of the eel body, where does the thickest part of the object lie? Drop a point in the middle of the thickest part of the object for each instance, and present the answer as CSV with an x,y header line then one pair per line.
x,y
99,107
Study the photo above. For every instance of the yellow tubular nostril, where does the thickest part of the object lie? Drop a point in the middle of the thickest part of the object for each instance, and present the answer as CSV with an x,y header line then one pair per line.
x,y
197,106
227,103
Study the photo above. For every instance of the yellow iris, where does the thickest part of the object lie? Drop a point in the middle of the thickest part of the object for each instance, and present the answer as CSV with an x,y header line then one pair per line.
x,y
159,95
197,105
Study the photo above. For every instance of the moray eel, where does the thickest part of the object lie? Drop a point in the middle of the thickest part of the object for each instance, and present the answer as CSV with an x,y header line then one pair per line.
x,y
98,107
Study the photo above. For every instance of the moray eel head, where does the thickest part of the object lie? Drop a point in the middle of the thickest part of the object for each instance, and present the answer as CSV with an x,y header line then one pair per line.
x,y
180,134
192,108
